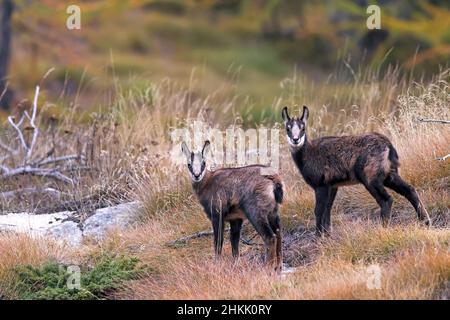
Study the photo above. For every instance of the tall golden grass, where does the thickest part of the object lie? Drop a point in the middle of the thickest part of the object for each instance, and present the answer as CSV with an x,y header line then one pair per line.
x,y
133,162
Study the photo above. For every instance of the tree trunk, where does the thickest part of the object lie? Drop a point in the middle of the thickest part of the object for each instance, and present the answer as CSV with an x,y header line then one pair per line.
x,y
6,9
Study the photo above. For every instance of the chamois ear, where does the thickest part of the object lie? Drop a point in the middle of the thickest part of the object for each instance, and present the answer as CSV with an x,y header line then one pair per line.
x,y
206,147
285,115
186,151
305,115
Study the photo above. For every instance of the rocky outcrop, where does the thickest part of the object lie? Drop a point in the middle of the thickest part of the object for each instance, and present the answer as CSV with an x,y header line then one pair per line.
x,y
64,227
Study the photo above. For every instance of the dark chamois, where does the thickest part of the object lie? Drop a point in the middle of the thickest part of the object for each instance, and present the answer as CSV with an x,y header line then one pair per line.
x,y
235,194
330,162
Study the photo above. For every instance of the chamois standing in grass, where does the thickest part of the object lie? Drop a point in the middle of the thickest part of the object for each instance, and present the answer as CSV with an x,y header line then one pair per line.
x,y
330,162
235,194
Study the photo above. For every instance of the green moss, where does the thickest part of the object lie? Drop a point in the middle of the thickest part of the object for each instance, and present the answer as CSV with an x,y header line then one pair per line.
x,y
52,280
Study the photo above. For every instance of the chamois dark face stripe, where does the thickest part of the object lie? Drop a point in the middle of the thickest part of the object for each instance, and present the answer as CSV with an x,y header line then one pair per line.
x,y
197,166
295,132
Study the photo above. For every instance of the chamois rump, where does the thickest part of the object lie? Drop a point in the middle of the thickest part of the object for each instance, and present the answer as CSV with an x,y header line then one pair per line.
x,y
330,162
235,194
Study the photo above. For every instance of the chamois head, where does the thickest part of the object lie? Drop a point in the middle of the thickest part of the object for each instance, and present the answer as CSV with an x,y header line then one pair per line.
x,y
196,161
295,127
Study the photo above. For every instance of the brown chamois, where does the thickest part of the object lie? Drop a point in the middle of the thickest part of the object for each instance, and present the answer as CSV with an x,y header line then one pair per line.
x,y
330,162
235,194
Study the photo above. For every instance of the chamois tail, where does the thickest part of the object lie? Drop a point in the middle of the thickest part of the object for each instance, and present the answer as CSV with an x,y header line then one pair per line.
x,y
393,158
278,191
277,186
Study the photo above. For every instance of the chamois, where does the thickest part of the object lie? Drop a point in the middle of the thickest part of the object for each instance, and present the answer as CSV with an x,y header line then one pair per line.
x,y
235,194
330,162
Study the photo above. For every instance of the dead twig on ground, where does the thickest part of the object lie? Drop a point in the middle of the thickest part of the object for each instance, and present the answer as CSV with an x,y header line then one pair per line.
x,y
207,233
434,120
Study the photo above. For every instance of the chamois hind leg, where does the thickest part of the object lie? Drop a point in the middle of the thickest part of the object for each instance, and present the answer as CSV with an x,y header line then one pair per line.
x,y
396,183
274,222
235,235
258,218
326,216
384,200
218,229
322,195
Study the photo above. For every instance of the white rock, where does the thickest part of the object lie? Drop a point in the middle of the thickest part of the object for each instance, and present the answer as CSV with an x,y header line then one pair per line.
x,y
68,232
34,224
110,218
58,226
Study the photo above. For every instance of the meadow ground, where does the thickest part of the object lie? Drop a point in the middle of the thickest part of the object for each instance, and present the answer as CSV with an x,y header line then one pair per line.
x,y
128,148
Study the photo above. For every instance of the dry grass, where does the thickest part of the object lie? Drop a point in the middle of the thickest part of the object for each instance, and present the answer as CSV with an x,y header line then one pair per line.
x,y
133,161
414,264
19,249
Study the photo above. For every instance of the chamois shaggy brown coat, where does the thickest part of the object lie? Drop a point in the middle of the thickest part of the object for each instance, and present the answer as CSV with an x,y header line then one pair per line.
x,y
330,162
235,194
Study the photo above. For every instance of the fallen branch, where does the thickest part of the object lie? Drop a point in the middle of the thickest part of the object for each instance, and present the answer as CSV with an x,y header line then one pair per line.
x,y
19,192
434,120
206,233
196,235
51,173
444,157
60,159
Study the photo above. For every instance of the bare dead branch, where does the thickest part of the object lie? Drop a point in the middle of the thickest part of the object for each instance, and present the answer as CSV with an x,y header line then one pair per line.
x,y
60,159
45,156
434,120
33,167
205,233
19,132
50,173
33,125
77,168
20,192
5,89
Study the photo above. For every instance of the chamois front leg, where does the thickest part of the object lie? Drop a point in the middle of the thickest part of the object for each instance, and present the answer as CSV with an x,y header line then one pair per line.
x,y
326,216
218,229
322,196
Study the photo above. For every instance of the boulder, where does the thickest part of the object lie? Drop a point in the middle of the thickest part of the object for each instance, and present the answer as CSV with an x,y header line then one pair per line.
x,y
110,218
68,232
62,226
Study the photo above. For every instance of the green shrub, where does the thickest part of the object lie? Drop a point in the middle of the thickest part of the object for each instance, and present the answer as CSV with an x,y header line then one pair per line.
x,y
50,280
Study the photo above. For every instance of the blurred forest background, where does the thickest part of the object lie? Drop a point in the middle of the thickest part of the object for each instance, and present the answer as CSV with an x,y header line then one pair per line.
x,y
244,47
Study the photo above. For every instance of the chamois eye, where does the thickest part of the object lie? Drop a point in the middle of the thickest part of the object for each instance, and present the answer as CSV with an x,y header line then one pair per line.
x,y
203,165
189,166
